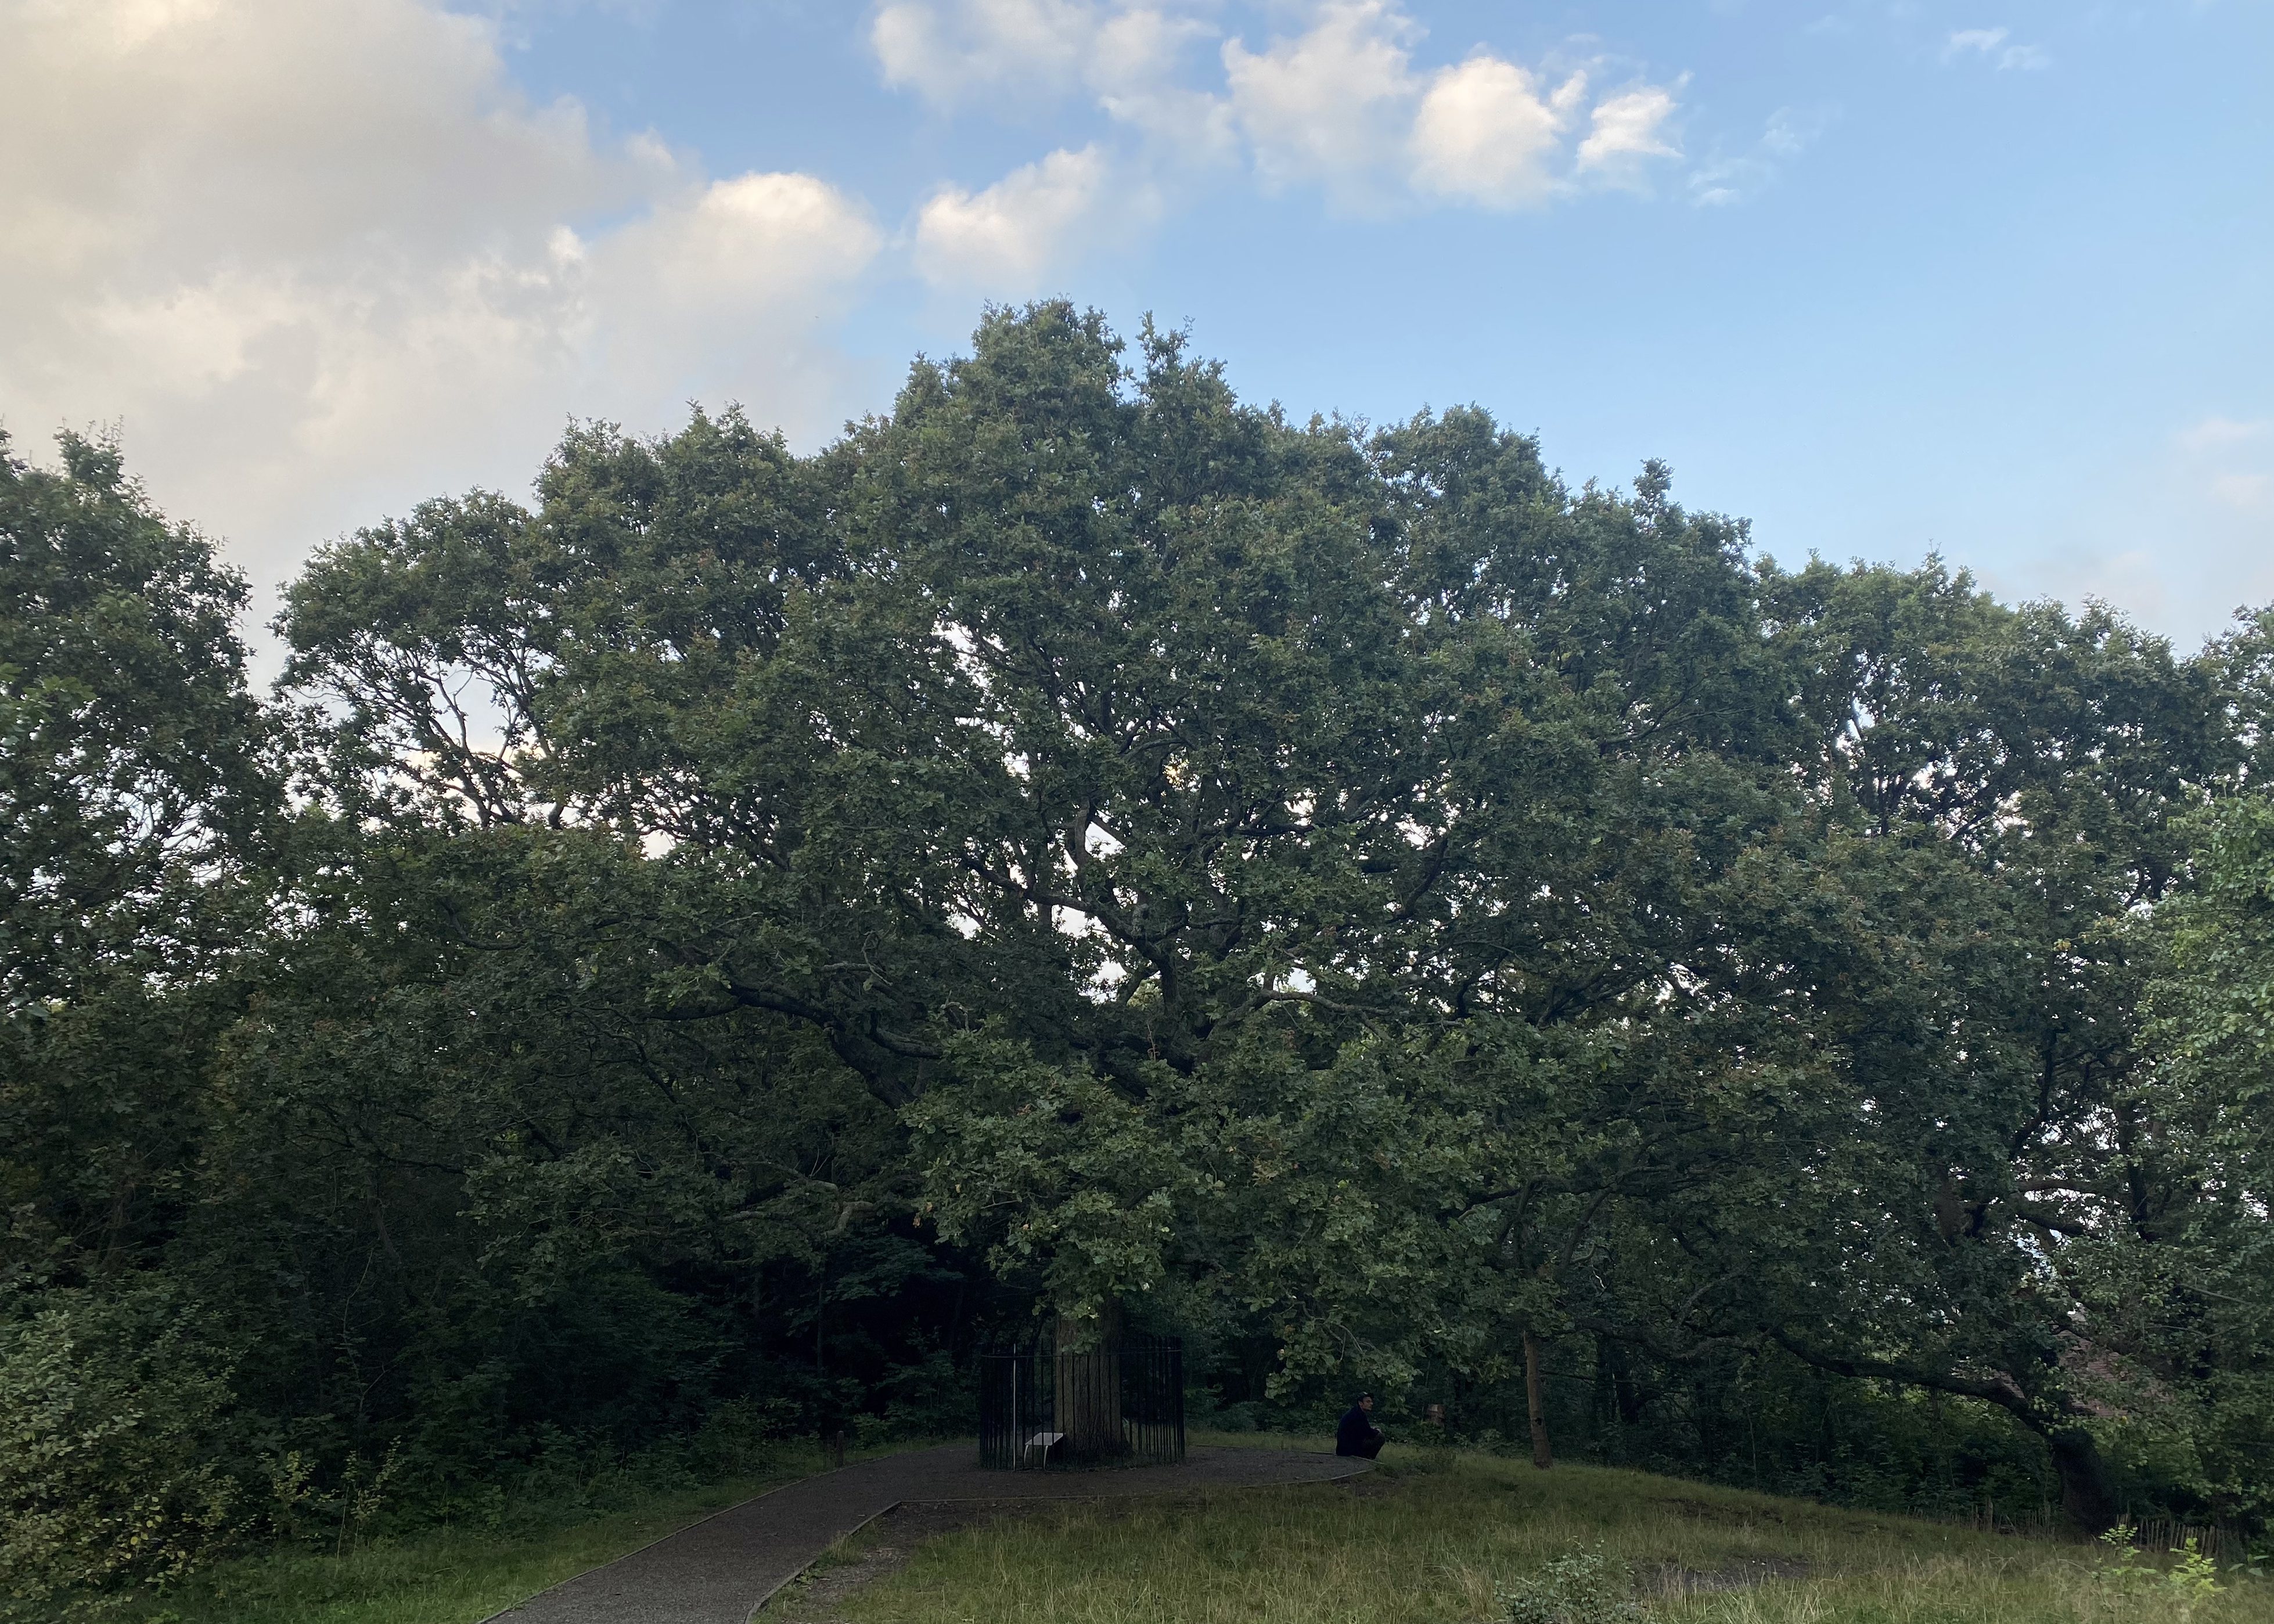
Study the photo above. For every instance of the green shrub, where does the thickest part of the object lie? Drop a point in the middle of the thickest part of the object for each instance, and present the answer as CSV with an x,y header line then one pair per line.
x,y
1583,1586
2176,1591
110,1415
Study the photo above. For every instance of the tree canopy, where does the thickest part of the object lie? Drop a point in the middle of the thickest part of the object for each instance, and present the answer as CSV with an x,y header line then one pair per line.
x,y
746,928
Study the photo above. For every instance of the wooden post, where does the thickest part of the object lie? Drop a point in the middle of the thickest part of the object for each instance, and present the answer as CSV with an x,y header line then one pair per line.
x,y
1534,1394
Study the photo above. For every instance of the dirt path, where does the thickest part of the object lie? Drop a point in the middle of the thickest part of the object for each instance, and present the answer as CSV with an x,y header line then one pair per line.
x,y
886,1547
721,1569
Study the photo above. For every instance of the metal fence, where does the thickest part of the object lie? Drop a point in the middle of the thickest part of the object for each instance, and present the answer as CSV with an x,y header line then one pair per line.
x,y
1042,1410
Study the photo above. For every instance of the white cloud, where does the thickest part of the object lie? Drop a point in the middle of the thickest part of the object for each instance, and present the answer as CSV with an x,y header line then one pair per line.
x,y
2244,492
739,264
1982,40
1791,130
1331,105
1016,54
2209,517
2231,463
1990,43
1487,132
1341,104
2176,528
1724,179
1627,130
1009,239
1337,103
950,52
2214,435
1012,238
1132,71
321,258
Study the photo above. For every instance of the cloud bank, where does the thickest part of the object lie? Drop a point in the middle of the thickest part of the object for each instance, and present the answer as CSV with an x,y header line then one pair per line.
x,y
318,256
318,259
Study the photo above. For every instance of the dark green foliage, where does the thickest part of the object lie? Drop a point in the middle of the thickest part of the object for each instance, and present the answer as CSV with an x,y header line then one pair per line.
x,y
117,1443
134,807
129,749
745,928
132,798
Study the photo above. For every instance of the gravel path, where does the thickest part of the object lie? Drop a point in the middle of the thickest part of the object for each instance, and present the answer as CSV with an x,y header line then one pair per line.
x,y
723,1568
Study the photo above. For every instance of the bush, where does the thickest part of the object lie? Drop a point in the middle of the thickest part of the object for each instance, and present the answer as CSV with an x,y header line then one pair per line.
x,y
2175,1591
1583,1586
112,1414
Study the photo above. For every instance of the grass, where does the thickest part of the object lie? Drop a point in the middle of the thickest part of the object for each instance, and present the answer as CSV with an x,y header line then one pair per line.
x,y
450,1576
1428,1538
1455,1539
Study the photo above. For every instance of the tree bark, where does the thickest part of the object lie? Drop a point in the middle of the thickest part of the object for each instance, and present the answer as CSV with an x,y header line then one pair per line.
x,y
1535,1397
2087,1494
1086,1384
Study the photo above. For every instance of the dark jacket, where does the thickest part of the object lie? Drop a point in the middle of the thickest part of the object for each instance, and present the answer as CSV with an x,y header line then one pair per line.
x,y
1353,1431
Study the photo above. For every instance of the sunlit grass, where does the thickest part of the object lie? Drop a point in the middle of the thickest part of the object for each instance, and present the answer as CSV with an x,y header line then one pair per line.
x,y
1434,1542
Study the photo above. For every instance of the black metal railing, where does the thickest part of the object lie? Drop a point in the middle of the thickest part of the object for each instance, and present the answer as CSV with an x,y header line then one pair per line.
x,y
1124,1406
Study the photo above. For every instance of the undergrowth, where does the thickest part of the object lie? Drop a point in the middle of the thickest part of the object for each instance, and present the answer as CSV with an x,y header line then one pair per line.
x,y
495,1549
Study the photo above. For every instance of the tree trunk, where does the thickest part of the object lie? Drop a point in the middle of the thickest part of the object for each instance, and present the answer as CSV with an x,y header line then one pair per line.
x,y
2087,1495
1536,1398
1087,1385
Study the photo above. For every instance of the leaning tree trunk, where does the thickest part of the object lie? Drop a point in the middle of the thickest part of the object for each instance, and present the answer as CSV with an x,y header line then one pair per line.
x,y
1536,1398
1086,1384
2088,1493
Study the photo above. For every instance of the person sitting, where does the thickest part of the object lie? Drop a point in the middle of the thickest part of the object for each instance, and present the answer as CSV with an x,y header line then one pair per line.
x,y
1355,1433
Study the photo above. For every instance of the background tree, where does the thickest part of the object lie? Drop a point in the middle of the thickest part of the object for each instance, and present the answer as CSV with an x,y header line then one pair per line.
x,y
2181,1303
135,807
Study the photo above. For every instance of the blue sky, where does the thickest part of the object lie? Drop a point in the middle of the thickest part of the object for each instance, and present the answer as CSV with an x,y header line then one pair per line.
x,y
1995,278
